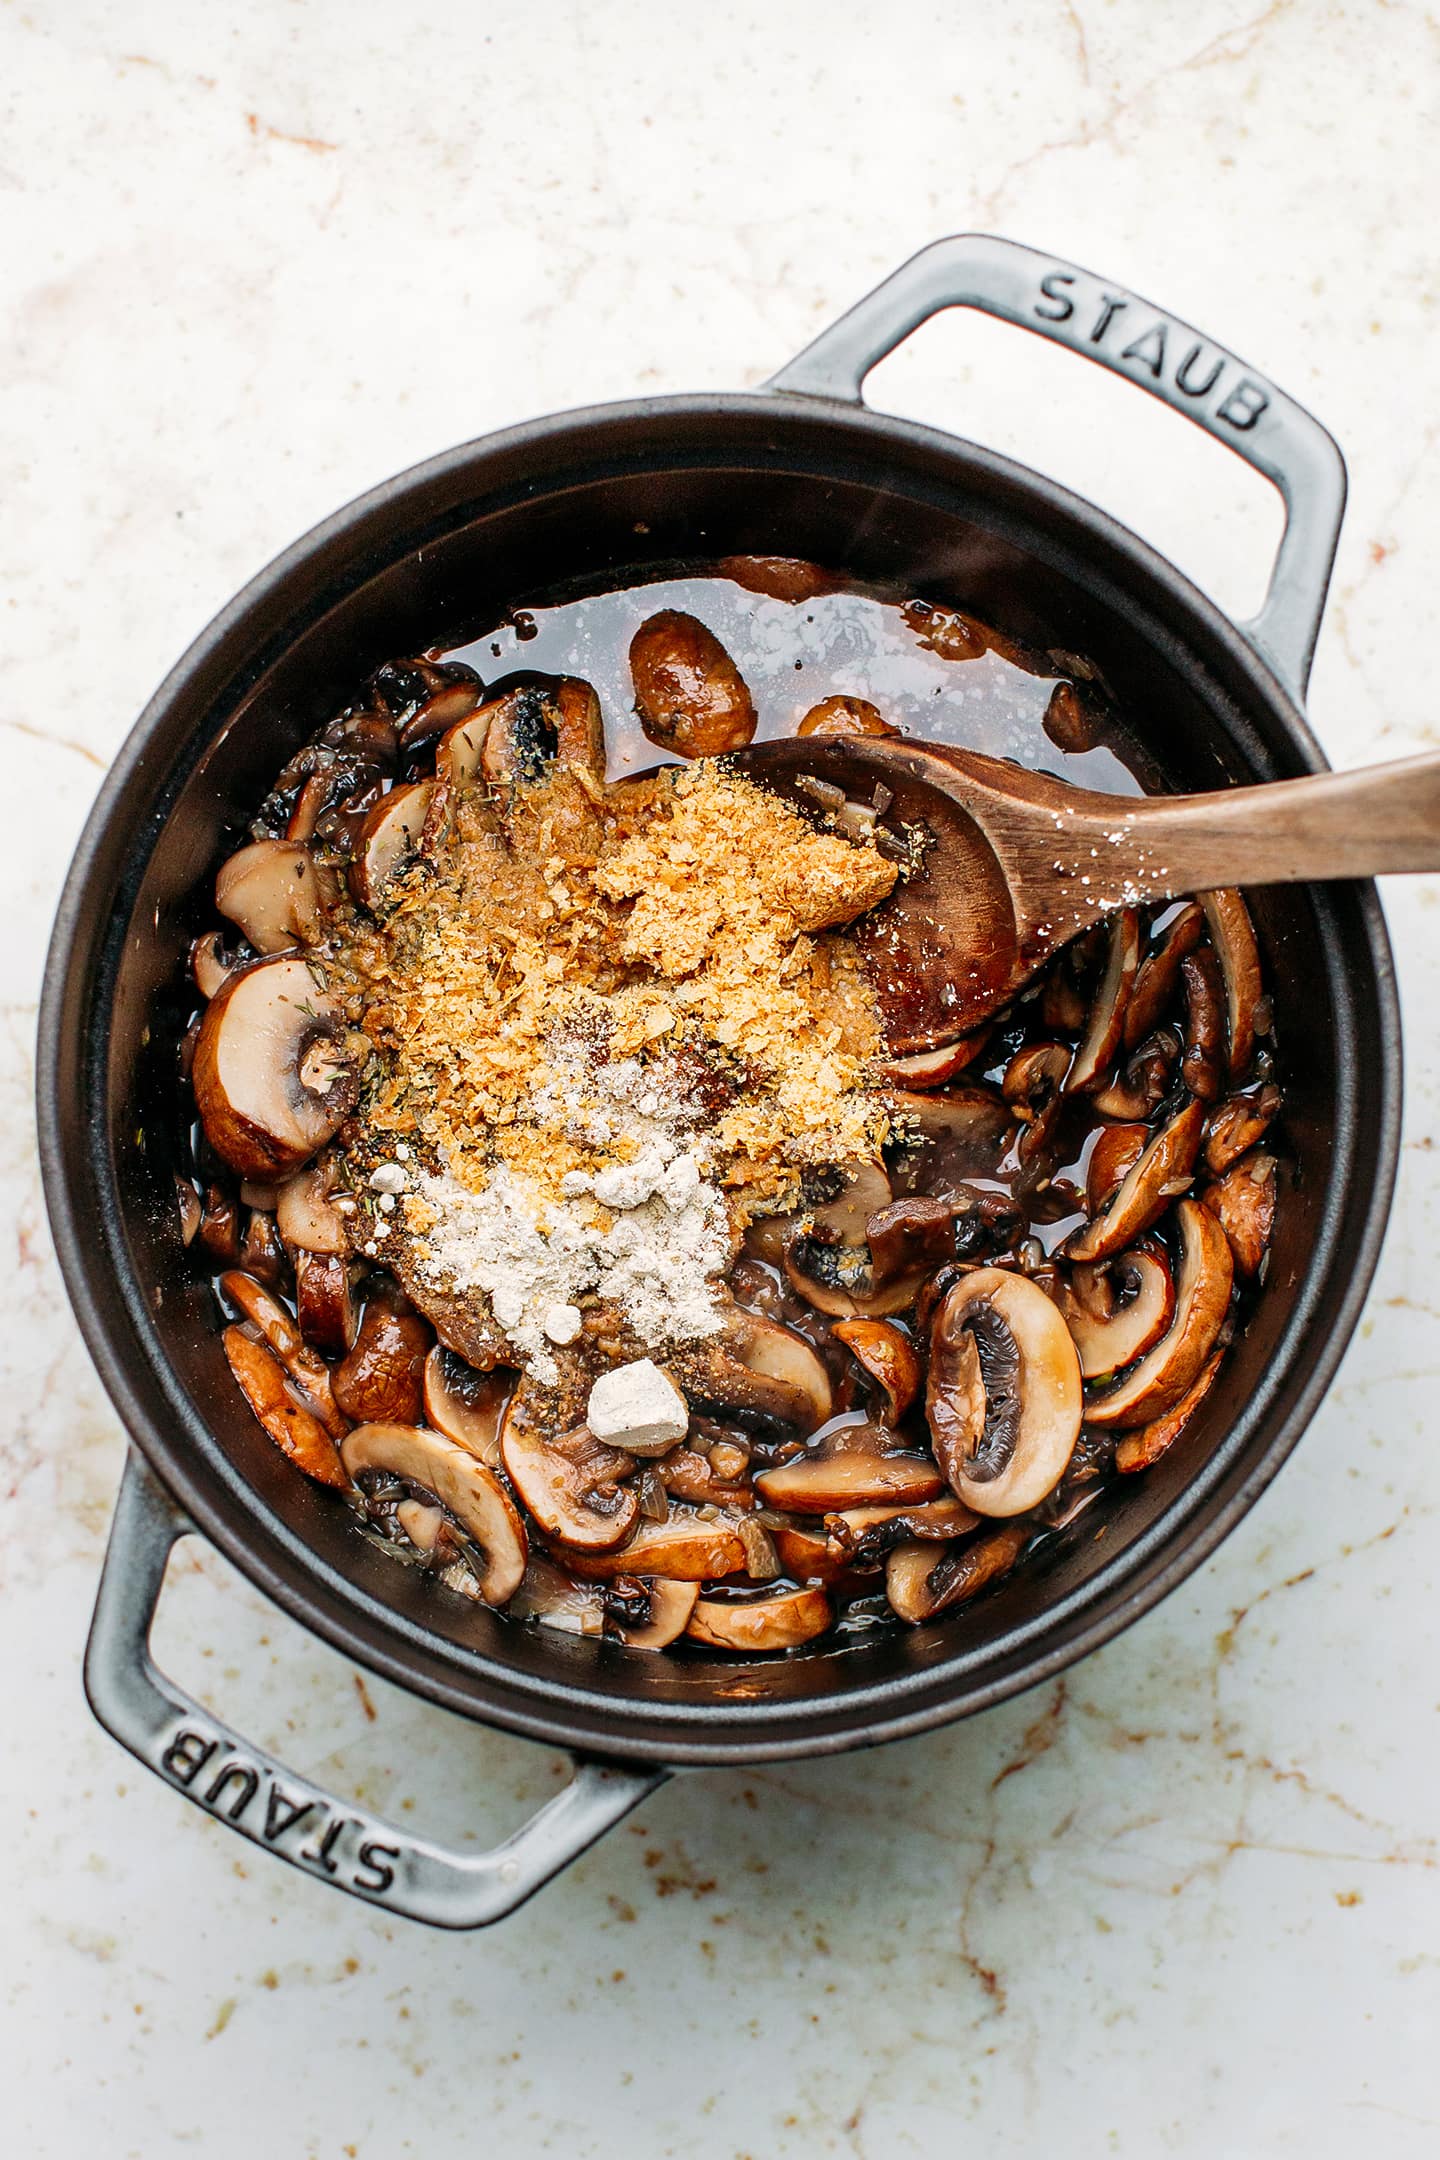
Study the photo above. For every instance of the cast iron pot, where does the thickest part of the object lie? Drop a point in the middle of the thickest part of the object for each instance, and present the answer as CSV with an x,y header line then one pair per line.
x,y
800,468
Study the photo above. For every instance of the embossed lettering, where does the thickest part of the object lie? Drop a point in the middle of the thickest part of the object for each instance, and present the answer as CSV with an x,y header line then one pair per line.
x,y
275,1824
383,1875
1244,405
1149,350
1110,306
249,1780
321,1852
1182,373
1064,306
187,1756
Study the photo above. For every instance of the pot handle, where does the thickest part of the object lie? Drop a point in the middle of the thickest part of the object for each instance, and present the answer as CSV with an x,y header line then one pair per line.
x,y
1158,352
249,1791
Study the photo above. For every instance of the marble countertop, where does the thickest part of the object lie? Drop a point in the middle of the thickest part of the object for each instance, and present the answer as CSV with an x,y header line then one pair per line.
x,y
1186,1900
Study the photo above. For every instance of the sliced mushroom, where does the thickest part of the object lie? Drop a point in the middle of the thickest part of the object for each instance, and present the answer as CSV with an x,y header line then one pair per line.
x,y
1138,1090
671,1605
1004,1400
453,699
1069,721
857,1466
473,1494
551,1595
867,1534
569,1481
781,1622
813,1556
759,1366
270,890
1233,935
261,1252
1139,1449
388,839
284,1339
845,716
888,1356
188,1209
1202,1304
1161,1171
537,726
324,1302
466,1405
948,1138
305,1213
1203,1064
687,1473
835,1268
292,1425
778,577
211,964
458,756
926,1069
219,1226
689,694
920,1586
273,1073
380,1380
1117,1309
1033,1078
1116,1151
1243,1200
945,630
1236,1126
684,1548
1105,1027
1159,975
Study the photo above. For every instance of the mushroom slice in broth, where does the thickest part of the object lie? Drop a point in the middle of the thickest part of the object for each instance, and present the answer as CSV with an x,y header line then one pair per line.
x,y
1005,1398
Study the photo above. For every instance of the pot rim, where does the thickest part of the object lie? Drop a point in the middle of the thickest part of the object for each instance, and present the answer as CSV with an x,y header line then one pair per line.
x,y
550,1709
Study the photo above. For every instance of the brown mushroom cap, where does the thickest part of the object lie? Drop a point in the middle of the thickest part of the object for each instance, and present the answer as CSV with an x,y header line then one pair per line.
x,y
1105,1026
465,1404
1117,1309
1244,1202
271,892
388,838
1159,973
1146,1444
686,1547
1116,1151
308,1370
921,1585
856,1468
473,1494
1159,1173
757,1365
888,1356
867,1534
273,1074
305,1213
689,694
926,1069
1233,935
570,1481
379,1381
1202,1305
291,1423
828,1259
1005,1399
671,1605
845,716
1235,1126
750,1625
778,577
324,1302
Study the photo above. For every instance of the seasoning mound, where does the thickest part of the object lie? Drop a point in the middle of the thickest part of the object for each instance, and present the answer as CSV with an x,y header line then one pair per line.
x,y
611,1025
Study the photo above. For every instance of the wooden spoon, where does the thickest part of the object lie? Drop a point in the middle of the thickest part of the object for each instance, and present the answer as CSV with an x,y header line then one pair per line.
x,y
1016,863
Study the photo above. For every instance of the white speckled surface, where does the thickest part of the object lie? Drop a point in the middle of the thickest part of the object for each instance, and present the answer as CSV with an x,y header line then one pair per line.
x,y
1187,1902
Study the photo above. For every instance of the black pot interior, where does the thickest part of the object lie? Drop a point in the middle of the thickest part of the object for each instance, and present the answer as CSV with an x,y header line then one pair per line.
x,y
431,560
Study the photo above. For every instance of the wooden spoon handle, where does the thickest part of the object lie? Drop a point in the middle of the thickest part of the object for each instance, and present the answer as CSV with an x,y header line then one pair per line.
x,y
1329,825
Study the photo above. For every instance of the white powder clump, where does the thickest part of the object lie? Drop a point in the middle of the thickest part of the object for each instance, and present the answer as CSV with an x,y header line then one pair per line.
x,y
658,1262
